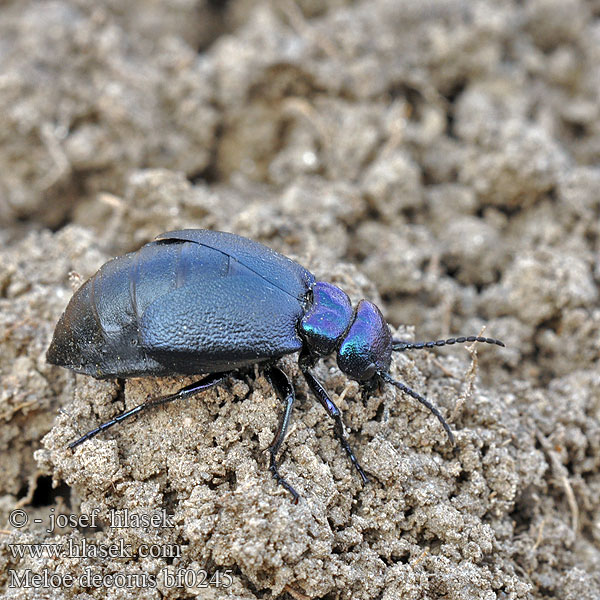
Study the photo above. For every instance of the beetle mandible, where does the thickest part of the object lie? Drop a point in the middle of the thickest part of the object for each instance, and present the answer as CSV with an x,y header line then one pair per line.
x,y
199,301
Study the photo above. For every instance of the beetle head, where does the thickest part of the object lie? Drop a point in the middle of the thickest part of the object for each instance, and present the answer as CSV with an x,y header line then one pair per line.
x,y
366,349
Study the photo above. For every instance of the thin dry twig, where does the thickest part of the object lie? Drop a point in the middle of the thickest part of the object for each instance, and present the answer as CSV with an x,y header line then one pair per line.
x,y
295,593
304,29
560,473
540,535
421,557
9,414
31,487
470,379
438,363
341,397
61,164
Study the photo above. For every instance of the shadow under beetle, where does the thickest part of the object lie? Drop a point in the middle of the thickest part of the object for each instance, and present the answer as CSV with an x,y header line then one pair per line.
x,y
198,301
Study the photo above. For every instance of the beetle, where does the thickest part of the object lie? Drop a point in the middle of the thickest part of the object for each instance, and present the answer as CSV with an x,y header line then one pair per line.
x,y
199,301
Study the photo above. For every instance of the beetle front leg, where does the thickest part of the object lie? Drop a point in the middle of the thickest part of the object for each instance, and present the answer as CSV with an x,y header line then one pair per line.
x,y
333,411
186,392
285,390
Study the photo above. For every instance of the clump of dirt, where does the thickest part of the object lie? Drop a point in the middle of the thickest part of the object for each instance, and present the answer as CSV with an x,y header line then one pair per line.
x,y
439,159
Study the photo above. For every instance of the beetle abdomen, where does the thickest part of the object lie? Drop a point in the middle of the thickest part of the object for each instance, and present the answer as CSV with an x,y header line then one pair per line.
x,y
98,333
180,305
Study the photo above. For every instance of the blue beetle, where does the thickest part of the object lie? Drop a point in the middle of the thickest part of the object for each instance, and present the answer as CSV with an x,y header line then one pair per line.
x,y
198,301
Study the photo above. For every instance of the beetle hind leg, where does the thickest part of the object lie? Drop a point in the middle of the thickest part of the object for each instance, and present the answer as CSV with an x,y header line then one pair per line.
x,y
285,391
186,392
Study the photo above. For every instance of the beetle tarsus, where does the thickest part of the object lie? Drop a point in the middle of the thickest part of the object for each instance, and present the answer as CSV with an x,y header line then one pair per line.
x,y
285,390
186,392
281,481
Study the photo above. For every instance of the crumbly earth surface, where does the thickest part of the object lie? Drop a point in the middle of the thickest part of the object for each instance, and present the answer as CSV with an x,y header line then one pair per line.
x,y
439,158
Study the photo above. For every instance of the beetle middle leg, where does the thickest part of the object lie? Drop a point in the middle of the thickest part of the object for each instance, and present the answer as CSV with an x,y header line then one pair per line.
x,y
285,390
186,392
332,410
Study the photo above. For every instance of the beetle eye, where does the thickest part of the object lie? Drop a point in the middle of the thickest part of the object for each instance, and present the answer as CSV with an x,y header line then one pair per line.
x,y
369,372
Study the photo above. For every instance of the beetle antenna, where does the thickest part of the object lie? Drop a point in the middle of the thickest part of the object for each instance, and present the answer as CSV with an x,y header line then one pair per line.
x,y
404,388
401,345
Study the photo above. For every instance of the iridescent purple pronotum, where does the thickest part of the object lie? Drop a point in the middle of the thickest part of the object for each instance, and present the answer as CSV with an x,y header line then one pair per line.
x,y
197,301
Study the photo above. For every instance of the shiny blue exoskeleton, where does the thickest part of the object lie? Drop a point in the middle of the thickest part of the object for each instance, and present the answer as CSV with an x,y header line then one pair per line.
x,y
198,301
